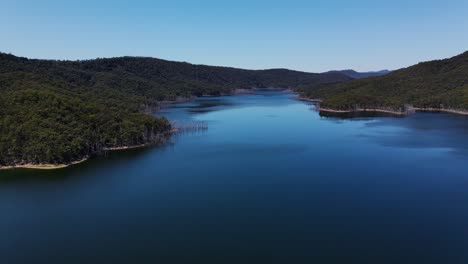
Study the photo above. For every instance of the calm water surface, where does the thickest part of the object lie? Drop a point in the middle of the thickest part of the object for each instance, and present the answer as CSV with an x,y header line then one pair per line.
x,y
270,181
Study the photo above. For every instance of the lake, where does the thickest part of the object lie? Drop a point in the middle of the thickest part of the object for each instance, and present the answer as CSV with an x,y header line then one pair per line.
x,y
269,181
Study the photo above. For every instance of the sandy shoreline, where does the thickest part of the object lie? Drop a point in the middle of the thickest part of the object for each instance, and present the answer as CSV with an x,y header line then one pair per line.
x,y
128,147
386,111
328,110
61,166
398,113
450,111
305,99
43,166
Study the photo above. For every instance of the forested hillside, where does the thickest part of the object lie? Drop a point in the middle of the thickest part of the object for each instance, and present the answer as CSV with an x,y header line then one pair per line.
x,y
441,84
62,111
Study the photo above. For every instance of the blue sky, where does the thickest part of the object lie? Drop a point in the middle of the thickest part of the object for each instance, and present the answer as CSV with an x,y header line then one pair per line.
x,y
312,36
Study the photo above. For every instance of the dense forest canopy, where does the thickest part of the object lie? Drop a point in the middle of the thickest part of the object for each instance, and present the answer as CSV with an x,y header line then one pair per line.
x,y
62,111
433,84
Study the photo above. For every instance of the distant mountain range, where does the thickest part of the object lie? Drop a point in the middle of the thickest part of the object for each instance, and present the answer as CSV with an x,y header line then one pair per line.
x,y
439,84
359,75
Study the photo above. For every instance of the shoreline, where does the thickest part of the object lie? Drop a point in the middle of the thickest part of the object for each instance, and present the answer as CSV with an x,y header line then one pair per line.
x,y
42,166
61,166
178,100
438,110
386,111
305,99
397,113
371,110
128,147
239,91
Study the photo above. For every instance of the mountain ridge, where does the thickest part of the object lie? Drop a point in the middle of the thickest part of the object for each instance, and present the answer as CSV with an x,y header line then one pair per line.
x,y
359,75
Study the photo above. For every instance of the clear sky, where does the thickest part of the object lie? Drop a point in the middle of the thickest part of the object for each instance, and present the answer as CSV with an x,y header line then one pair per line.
x,y
309,35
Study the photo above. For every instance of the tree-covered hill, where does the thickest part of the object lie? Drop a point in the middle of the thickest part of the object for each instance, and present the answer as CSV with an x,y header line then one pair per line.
x,y
62,111
441,84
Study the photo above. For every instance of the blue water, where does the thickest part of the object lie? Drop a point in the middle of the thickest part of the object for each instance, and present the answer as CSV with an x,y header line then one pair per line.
x,y
270,181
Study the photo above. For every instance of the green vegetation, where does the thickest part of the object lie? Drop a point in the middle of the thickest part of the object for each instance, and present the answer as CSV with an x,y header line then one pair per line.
x,y
44,126
441,84
61,111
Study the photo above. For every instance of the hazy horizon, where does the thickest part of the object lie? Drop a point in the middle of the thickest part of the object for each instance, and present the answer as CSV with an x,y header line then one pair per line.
x,y
299,35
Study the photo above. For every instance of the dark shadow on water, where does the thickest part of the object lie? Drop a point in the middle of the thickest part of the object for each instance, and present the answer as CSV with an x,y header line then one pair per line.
x,y
201,110
203,105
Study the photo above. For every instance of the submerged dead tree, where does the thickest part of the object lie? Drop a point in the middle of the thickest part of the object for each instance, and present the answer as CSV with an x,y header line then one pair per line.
x,y
189,125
